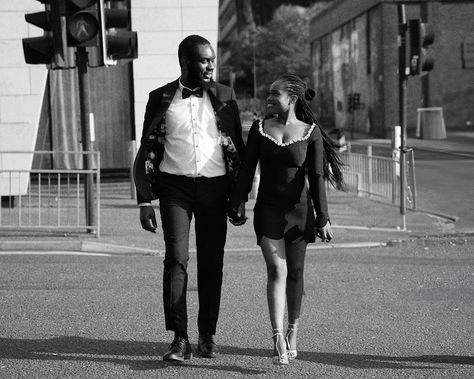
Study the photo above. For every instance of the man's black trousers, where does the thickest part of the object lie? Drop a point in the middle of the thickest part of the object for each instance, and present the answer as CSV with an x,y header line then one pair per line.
x,y
180,198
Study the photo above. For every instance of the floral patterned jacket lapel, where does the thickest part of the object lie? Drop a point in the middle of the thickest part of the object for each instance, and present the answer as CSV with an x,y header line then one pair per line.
x,y
152,143
231,155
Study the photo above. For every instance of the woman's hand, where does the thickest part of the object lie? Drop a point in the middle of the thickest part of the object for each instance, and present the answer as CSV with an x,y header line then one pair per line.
x,y
325,232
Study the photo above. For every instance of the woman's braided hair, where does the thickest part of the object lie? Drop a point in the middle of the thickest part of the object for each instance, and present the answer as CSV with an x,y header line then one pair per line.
x,y
332,161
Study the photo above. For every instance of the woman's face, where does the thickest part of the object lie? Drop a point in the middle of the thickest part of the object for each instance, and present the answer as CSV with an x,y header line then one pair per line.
x,y
278,99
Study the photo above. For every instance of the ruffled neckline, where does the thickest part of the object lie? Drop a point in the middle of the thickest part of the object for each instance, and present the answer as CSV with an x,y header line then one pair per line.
x,y
303,138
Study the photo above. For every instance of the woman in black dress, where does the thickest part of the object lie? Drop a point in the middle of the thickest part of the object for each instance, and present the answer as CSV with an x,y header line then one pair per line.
x,y
293,151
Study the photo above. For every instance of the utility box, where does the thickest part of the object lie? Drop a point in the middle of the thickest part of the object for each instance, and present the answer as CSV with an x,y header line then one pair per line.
x,y
430,123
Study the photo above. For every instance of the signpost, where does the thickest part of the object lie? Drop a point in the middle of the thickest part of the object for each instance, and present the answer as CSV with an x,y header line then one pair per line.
x,y
402,101
420,62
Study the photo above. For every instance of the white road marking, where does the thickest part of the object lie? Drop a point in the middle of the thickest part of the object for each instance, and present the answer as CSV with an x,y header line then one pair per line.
x,y
27,252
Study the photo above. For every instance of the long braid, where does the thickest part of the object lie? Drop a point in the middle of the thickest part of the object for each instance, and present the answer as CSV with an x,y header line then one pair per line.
x,y
332,160
332,164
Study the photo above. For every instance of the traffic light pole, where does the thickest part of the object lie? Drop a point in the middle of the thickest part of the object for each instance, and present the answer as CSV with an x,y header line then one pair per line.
x,y
402,98
84,91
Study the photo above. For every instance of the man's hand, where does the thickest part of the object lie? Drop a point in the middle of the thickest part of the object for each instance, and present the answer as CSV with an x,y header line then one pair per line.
x,y
147,218
325,233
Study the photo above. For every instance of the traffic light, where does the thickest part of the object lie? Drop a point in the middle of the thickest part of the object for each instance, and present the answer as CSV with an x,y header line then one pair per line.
x,y
117,39
40,50
420,37
102,26
51,48
82,22
356,100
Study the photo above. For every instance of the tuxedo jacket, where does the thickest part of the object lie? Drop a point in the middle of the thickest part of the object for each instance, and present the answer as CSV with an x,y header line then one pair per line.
x,y
150,154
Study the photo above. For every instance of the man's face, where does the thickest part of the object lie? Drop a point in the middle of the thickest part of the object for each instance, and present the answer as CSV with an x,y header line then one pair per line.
x,y
201,65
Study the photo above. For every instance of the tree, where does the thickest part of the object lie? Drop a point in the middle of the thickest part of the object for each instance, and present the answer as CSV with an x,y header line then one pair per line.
x,y
263,9
281,46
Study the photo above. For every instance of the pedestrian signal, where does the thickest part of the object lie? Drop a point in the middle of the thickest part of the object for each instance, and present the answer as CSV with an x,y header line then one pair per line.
x,y
82,22
421,36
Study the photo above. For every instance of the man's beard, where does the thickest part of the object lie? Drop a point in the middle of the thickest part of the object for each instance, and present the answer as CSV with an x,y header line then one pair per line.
x,y
206,85
197,81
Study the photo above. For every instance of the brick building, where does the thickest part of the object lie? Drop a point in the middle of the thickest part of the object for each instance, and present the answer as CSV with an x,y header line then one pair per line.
x,y
354,49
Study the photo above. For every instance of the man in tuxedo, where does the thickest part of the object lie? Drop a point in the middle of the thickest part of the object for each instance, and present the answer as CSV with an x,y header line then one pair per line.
x,y
190,152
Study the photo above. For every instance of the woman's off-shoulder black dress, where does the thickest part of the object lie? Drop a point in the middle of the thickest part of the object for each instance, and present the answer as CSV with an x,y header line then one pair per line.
x,y
291,184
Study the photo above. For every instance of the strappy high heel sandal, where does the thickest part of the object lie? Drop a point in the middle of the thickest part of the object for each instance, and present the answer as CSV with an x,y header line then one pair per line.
x,y
292,353
281,358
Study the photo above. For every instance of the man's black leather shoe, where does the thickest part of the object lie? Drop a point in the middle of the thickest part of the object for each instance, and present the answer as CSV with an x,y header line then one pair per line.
x,y
179,350
207,348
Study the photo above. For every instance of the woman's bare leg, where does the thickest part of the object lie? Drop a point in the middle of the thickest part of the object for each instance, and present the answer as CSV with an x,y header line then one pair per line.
x,y
294,288
275,259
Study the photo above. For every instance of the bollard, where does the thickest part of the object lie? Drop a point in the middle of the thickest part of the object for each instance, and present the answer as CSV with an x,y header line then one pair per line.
x,y
430,123
396,143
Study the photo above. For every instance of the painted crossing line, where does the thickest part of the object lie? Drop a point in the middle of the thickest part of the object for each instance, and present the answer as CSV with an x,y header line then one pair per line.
x,y
69,253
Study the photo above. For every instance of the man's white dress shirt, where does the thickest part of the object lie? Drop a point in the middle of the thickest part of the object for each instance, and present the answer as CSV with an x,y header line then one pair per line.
x,y
192,140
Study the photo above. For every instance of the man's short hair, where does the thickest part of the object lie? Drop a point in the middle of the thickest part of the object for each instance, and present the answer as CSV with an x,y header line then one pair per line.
x,y
187,47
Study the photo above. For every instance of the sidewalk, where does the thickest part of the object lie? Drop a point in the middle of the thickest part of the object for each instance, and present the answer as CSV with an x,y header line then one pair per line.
x,y
356,220
458,142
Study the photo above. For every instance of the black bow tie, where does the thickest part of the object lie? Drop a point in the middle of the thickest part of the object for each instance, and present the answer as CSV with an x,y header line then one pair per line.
x,y
188,92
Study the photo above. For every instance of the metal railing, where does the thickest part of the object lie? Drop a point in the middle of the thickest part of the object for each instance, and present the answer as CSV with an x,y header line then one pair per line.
x,y
52,199
378,177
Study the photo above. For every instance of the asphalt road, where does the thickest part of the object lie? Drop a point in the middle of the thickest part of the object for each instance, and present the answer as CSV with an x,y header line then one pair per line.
x,y
402,311
446,185
444,182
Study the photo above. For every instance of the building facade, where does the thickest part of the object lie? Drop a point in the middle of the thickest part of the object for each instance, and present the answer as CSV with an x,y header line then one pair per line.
x,y
39,109
354,48
161,25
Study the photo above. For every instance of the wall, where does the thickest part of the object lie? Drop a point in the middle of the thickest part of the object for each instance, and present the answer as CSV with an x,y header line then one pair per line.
x,y
451,85
21,86
348,60
346,29
161,26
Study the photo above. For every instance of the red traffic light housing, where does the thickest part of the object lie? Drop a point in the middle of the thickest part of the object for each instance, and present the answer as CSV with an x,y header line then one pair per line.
x,y
421,36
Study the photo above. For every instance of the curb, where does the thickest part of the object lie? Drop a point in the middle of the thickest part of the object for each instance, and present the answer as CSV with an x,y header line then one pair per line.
x,y
105,248
79,246
451,218
465,154
371,228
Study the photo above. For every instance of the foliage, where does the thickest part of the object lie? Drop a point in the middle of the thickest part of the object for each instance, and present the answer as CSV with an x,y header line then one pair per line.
x,y
263,9
281,46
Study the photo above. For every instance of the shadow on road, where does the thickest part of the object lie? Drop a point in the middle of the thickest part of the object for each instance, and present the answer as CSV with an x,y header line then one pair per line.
x,y
69,348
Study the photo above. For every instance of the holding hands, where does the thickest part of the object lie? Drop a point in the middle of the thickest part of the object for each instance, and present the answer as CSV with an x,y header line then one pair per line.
x,y
237,215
